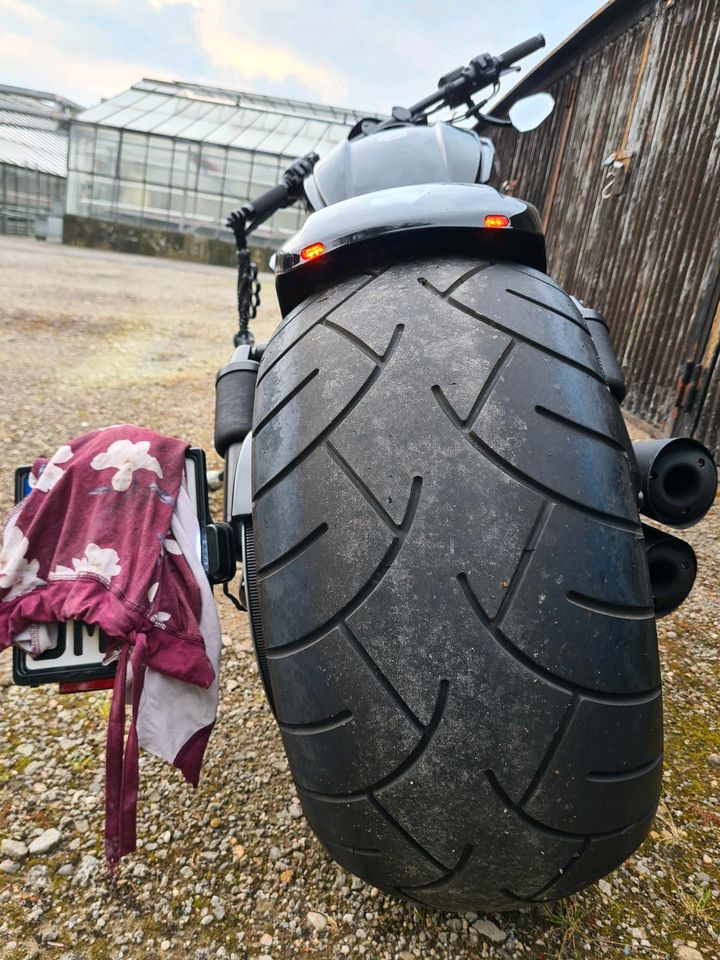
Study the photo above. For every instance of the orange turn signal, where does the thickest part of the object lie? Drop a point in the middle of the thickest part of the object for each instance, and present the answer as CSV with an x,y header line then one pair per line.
x,y
496,220
313,251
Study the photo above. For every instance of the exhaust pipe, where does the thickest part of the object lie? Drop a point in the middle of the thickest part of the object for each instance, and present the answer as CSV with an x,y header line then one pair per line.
x,y
678,480
673,567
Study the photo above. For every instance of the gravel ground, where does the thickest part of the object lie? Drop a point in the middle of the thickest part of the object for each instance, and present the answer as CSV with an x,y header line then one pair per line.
x,y
232,870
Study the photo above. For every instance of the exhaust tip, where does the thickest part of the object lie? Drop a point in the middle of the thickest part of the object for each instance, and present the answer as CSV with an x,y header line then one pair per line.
x,y
673,568
678,480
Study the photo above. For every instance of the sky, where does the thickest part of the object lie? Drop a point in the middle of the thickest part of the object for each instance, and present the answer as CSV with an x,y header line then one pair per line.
x,y
365,54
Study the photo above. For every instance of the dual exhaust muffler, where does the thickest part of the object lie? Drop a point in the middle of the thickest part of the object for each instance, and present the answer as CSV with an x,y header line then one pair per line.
x,y
677,482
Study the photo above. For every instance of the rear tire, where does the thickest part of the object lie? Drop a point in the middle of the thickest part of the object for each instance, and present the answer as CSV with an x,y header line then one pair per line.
x,y
452,586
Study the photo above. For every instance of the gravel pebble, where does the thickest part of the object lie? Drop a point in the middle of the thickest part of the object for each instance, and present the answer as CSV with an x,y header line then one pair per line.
x,y
683,952
87,869
14,849
46,842
487,928
318,921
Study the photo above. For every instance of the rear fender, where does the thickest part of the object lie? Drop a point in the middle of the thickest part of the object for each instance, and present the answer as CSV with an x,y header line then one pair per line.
x,y
372,229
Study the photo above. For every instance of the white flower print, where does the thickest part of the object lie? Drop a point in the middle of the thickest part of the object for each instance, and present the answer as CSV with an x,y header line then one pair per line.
x,y
51,471
160,617
17,572
126,457
102,561
152,591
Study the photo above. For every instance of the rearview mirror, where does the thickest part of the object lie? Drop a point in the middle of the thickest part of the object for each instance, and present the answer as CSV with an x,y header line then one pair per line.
x,y
530,112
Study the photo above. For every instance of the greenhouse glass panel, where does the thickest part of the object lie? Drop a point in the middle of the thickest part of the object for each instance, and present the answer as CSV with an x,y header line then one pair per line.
x,y
104,198
211,172
177,204
237,175
41,196
159,161
237,121
281,135
109,107
176,122
130,202
133,156
184,170
307,139
107,148
11,184
82,148
72,196
157,202
202,128
124,118
265,173
207,209
83,187
252,136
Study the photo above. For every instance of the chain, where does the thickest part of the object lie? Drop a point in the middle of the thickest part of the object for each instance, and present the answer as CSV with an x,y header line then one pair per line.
x,y
248,296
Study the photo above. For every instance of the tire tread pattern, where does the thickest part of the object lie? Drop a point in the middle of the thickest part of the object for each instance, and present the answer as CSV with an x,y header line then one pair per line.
x,y
471,709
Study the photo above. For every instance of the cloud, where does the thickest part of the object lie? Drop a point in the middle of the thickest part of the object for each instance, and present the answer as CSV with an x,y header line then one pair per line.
x,y
368,54
21,11
39,64
228,49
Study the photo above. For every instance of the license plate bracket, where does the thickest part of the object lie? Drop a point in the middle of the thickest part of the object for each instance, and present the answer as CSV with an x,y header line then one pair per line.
x,y
78,656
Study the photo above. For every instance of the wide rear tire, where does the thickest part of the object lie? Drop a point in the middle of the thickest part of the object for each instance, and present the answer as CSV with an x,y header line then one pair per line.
x,y
457,621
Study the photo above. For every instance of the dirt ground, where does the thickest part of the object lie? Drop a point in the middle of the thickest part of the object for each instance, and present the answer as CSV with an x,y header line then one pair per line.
x,y
89,338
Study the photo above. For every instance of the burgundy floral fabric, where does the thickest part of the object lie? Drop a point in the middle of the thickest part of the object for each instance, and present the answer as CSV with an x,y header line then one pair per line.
x,y
94,541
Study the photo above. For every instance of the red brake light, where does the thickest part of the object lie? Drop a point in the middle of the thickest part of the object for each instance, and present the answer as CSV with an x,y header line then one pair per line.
x,y
313,251
496,220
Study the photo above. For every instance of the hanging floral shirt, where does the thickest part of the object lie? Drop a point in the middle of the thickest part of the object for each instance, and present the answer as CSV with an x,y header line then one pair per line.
x,y
107,536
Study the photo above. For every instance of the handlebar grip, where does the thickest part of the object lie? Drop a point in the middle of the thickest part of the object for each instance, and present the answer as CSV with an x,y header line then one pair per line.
x,y
267,203
523,49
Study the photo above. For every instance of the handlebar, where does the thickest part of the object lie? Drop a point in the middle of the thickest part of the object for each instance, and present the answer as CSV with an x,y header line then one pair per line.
x,y
251,215
523,49
269,202
459,85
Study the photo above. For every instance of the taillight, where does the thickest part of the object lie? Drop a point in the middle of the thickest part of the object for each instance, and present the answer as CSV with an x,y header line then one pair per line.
x,y
313,251
494,221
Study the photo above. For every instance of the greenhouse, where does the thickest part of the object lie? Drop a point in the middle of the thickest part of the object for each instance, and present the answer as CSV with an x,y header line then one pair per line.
x,y
33,157
178,157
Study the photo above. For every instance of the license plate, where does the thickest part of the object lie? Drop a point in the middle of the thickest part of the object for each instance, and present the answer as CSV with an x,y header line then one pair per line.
x,y
78,660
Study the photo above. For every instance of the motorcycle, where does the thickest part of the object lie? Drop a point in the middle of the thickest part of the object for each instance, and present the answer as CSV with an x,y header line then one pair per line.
x,y
433,493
